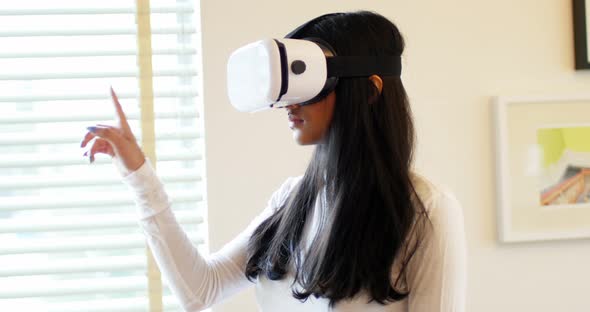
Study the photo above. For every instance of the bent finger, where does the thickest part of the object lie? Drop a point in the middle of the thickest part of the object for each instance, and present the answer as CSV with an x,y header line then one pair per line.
x,y
93,150
100,146
87,138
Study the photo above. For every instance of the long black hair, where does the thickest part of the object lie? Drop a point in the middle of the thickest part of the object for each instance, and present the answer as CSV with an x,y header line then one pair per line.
x,y
363,168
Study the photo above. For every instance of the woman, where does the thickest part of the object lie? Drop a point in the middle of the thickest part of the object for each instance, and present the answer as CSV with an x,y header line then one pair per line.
x,y
359,231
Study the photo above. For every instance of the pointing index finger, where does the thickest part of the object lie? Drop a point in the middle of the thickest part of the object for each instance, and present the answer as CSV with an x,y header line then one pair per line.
x,y
120,115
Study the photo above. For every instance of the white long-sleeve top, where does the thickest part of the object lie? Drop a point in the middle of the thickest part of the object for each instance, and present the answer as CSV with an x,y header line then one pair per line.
x,y
435,277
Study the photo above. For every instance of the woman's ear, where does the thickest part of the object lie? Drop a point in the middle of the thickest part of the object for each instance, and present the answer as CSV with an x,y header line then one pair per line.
x,y
376,80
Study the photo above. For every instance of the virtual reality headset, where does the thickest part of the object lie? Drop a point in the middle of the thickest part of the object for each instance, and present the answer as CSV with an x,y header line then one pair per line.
x,y
280,72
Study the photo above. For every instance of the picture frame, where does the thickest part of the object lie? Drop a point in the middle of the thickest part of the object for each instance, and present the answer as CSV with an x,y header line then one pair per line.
x,y
581,18
542,150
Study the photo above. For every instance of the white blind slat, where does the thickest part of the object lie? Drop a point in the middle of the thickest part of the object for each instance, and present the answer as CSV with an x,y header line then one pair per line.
x,y
81,265
19,203
94,32
96,96
23,183
132,303
94,11
86,75
73,244
76,287
97,222
43,138
20,118
130,52
28,161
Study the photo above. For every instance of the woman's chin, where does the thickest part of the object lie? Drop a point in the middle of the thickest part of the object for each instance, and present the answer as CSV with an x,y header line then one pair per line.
x,y
302,140
299,138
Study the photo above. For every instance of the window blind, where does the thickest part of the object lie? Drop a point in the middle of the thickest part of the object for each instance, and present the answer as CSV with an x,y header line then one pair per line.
x,y
69,239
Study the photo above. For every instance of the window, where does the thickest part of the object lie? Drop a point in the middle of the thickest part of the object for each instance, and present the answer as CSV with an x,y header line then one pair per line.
x,y
69,239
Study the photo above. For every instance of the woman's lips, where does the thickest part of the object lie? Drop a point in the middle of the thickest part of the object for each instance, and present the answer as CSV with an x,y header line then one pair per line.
x,y
294,121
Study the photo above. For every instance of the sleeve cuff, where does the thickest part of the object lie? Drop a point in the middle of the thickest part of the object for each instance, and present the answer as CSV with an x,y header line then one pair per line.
x,y
142,178
148,192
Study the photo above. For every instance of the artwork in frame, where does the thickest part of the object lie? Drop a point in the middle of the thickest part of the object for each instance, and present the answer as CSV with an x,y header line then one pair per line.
x,y
581,10
543,167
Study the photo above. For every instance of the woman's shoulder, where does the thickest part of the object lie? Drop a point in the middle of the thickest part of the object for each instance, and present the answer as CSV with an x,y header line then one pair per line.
x,y
280,195
435,196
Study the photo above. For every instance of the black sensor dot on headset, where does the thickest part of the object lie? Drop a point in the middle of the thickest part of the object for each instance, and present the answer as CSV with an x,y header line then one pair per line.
x,y
298,67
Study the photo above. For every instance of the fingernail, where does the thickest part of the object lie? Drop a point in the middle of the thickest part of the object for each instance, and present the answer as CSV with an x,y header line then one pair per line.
x,y
91,129
91,158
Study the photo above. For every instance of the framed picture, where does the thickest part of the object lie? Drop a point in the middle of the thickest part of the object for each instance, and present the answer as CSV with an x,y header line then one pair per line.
x,y
543,167
582,33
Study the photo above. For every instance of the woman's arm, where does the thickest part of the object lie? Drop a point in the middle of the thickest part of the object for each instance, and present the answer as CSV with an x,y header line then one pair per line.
x,y
197,282
437,273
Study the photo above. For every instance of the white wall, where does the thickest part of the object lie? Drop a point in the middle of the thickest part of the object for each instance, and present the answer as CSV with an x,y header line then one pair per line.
x,y
459,54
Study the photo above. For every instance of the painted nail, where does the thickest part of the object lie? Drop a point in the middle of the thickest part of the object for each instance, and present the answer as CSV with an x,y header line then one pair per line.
x,y
91,129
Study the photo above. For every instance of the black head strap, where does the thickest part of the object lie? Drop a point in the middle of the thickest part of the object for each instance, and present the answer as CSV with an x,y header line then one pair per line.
x,y
352,66
363,66
346,66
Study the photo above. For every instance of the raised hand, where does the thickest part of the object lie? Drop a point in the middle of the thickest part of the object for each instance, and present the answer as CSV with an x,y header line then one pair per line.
x,y
117,141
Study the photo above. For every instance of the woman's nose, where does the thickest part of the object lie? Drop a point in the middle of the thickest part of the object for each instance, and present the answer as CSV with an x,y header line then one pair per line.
x,y
291,107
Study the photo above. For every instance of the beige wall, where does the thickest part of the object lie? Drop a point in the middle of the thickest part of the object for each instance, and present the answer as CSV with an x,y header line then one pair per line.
x,y
459,54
